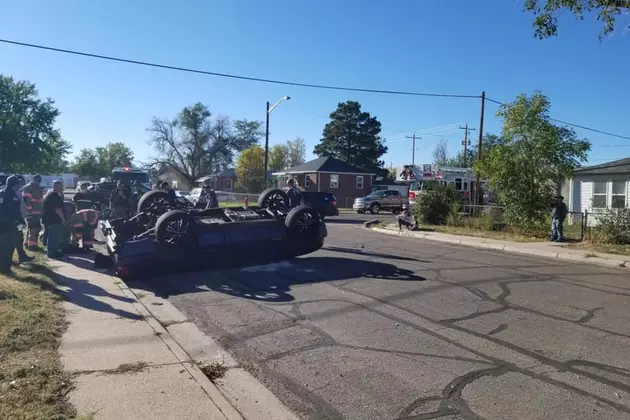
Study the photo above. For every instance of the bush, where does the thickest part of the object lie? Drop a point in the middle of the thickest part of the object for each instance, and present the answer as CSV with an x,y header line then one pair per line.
x,y
435,205
613,227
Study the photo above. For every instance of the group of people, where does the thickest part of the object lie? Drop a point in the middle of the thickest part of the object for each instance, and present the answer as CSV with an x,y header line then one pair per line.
x,y
59,224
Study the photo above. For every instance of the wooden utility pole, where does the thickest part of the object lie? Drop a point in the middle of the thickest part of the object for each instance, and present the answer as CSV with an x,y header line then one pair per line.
x,y
478,194
466,130
413,148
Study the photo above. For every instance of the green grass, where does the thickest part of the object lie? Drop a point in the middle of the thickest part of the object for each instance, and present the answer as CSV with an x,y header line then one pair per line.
x,y
605,249
233,204
33,385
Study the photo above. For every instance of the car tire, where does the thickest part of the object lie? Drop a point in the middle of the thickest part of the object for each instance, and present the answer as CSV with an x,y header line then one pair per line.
x,y
273,199
303,223
149,198
375,208
176,228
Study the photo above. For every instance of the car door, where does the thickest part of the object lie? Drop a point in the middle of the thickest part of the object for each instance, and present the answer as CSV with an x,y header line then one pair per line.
x,y
388,198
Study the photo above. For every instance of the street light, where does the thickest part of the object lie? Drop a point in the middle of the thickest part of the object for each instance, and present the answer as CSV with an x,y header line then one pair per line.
x,y
284,98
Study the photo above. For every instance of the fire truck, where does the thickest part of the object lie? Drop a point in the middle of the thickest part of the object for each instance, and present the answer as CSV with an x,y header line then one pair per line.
x,y
419,177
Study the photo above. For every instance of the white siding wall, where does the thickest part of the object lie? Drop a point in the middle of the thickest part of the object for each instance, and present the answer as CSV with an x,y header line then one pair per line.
x,y
586,193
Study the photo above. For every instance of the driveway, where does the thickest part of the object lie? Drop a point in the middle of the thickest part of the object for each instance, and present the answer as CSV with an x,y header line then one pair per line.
x,y
379,327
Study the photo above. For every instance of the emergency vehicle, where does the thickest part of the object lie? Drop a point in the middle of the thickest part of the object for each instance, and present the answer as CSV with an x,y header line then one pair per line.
x,y
418,177
129,175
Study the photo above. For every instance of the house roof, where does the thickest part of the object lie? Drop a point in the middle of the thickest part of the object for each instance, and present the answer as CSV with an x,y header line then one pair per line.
x,y
621,166
326,164
228,173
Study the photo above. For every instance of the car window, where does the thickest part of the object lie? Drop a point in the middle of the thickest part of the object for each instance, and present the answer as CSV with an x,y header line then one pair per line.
x,y
195,191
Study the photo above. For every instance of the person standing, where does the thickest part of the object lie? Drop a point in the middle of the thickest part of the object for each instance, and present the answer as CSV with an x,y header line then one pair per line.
x,y
294,194
33,195
10,217
54,220
170,193
558,214
208,196
19,238
120,201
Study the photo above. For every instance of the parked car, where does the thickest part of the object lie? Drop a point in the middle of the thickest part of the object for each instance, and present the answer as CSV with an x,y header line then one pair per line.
x,y
376,201
198,200
325,203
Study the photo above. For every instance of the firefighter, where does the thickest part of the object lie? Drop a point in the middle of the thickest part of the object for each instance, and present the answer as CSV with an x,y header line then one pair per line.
x,y
33,195
83,223
209,195
121,201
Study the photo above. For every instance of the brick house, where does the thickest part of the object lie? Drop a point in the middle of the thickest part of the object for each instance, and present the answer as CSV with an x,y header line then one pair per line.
x,y
326,174
221,181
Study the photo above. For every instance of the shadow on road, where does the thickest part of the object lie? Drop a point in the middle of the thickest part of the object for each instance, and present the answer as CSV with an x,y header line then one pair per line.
x,y
359,251
273,282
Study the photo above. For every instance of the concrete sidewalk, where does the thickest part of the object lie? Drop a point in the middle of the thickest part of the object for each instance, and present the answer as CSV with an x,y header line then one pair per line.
x,y
539,249
127,365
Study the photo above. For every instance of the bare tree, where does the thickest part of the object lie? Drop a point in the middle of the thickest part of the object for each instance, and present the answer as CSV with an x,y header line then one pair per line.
x,y
440,154
296,152
194,144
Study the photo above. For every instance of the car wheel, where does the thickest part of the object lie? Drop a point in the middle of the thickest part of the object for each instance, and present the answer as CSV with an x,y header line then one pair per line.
x,y
273,199
375,208
176,228
151,198
303,223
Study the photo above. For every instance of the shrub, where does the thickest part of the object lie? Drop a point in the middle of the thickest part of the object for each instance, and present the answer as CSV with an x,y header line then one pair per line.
x,y
613,227
435,204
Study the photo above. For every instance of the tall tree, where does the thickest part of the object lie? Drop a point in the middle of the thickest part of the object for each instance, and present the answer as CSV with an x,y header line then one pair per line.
x,y
279,157
547,12
100,161
250,170
353,137
28,140
194,144
296,152
533,155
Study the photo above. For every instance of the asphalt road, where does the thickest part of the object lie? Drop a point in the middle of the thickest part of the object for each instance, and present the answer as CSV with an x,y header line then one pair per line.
x,y
379,327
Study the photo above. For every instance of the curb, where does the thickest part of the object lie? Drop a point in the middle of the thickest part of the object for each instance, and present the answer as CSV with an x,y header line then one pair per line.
x,y
238,395
576,256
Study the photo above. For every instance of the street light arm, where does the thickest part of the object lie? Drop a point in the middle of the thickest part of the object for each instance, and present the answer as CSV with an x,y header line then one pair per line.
x,y
285,98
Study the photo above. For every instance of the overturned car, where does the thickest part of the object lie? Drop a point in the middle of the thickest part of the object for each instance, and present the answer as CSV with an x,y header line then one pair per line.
x,y
168,234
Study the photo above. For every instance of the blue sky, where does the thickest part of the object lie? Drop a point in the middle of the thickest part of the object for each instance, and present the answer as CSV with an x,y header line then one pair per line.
x,y
460,47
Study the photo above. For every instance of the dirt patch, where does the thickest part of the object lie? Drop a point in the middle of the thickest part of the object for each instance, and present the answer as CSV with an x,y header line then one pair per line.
x,y
213,371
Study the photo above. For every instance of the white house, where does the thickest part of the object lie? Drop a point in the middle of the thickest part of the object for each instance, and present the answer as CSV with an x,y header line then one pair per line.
x,y
599,188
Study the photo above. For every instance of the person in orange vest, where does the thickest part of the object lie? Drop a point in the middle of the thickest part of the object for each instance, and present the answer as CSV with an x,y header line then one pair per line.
x,y
33,196
83,223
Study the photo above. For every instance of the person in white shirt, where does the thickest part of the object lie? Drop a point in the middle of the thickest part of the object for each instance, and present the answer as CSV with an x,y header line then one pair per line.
x,y
406,219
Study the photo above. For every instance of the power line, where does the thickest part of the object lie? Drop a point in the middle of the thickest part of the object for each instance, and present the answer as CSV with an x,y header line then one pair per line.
x,y
594,130
234,76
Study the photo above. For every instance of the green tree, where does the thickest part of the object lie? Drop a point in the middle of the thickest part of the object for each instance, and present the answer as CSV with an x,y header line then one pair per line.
x,y
194,144
546,13
353,137
250,170
278,157
100,161
28,140
532,157
296,152
441,157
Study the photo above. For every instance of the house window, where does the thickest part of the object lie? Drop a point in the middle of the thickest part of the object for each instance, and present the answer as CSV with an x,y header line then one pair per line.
x,y
618,195
334,181
599,195
227,184
359,182
307,181
458,184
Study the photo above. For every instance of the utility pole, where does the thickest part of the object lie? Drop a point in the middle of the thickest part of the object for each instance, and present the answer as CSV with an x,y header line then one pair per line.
x,y
478,196
413,148
466,130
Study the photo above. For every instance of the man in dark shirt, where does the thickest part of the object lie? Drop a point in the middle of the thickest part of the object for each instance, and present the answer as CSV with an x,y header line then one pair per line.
x,y
170,193
54,220
295,195
120,201
558,214
10,217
